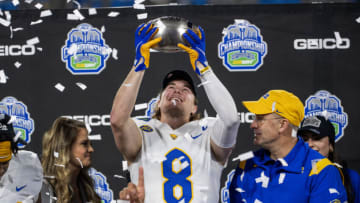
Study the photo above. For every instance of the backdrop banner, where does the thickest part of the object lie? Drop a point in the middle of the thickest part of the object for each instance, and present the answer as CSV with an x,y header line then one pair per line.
x,y
308,49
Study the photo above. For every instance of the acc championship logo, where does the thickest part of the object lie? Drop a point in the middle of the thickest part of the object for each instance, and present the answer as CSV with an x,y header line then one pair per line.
x,y
101,186
225,195
23,123
85,51
242,48
325,103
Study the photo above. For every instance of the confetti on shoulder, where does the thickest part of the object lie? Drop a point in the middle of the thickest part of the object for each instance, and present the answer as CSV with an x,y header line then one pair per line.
x,y
113,14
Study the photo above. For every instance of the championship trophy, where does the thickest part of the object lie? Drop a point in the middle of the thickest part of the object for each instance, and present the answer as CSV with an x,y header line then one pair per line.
x,y
171,29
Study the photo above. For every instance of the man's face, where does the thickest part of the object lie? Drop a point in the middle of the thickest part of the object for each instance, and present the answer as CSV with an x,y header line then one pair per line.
x,y
266,129
317,143
177,99
4,167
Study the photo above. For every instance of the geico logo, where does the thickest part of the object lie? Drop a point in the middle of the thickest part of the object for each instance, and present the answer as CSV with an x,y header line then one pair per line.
x,y
92,120
327,43
17,50
245,117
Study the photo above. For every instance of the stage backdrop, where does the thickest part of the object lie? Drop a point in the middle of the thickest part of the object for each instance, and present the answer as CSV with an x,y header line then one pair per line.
x,y
310,50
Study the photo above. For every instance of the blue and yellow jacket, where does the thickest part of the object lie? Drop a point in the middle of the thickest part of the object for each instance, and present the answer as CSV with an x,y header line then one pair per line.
x,y
303,175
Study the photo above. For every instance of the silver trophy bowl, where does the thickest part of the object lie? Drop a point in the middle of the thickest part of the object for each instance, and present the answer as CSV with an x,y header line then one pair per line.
x,y
171,29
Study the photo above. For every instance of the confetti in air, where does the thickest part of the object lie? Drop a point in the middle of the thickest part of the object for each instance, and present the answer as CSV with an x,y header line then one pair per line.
x,y
78,14
92,11
12,119
45,13
4,22
141,106
81,164
3,77
18,134
119,176
81,85
358,20
139,6
142,16
56,154
60,165
244,156
38,6
95,137
88,128
239,189
15,2
114,53
33,41
60,87
124,165
113,14
103,29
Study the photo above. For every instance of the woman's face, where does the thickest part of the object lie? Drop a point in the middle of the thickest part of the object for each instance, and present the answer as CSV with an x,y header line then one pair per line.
x,y
81,150
319,144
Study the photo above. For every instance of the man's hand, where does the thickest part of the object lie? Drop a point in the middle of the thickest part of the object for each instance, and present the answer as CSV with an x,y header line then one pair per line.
x,y
142,45
136,194
196,50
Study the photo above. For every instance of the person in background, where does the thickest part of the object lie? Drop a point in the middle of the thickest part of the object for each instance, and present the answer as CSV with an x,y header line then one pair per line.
x,y
20,170
182,155
285,169
66,159
319,133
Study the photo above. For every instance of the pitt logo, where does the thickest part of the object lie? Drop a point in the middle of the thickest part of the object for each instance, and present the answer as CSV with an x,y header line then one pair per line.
x,y
325,103
101,186
23,123
242,48
85,51
146,128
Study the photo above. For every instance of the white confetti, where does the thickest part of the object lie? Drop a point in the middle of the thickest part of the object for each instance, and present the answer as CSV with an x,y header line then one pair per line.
x,y
15,2
119,176
28,1
3,77
141,106
4,22
51,177
142,16
338,38
127,85
333,190
60,165
18,29
33,41
282,178
36,22
38,6
17,64
139,1
283,162
60,87
263,179
114,53
239,189
71,16
206,114
95,137
103,29
45,13
78,14
88,128
81,85
113,14
18,134
203,83
12,119
56,154
68,1
39,48
244,156
153,50
358,20
92,11
188,137
257,201
81,164
8,15
124,165
1,13
139,6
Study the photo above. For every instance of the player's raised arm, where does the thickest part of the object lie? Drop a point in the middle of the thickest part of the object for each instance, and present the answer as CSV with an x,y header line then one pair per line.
x,y
224,139
127,136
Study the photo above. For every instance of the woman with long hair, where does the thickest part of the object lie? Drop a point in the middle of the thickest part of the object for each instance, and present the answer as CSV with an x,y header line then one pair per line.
x,y
66,158
319,133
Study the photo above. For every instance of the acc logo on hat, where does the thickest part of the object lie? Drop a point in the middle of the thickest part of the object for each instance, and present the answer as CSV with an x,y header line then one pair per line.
x,y
23,123
242,47
85,51
325,103
101,186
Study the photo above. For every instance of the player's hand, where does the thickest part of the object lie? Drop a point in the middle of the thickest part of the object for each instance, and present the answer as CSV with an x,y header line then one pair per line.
x,y
136,194
142,45
196,50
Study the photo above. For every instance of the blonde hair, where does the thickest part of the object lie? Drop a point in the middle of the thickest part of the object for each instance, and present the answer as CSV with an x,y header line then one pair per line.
x,y
56,144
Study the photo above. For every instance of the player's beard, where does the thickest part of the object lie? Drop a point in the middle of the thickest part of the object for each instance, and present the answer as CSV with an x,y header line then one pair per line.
x,y
174,111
